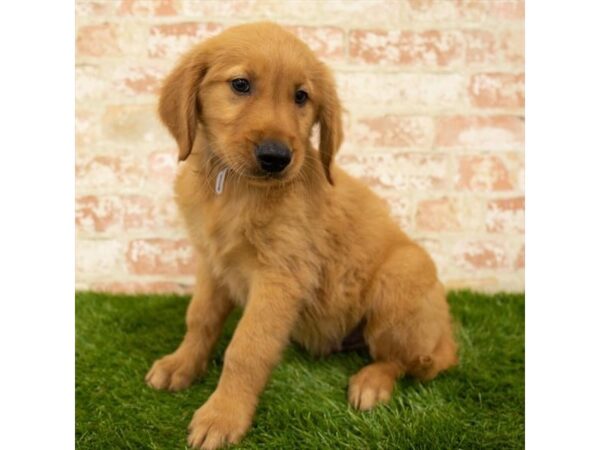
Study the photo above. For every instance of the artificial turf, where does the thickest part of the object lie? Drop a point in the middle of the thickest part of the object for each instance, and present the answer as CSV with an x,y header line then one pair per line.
x,y
479,404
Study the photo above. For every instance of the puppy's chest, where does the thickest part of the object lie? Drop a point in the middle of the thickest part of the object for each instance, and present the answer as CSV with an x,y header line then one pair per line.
x,y
232,260
230,256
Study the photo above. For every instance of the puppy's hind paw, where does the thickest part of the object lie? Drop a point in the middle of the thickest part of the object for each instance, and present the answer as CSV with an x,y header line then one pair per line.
x,y
369,387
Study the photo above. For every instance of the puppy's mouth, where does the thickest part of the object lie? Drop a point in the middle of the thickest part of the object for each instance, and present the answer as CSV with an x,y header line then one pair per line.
x,y
258,176
261,177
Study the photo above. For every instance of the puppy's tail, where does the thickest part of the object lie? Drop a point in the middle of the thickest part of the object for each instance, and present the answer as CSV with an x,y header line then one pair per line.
x,y
426,367
422,368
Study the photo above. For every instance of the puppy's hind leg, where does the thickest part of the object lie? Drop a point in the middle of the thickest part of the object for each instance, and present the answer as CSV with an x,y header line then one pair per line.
x,y
408,328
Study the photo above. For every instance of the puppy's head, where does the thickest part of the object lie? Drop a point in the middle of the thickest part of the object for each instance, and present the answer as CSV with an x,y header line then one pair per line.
x,y
255,91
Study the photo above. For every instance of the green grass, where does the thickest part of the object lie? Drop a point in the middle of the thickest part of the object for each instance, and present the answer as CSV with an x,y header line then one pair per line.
x,y
479,404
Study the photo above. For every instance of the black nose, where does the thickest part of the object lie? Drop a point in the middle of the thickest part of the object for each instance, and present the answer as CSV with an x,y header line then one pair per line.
x,y
272,156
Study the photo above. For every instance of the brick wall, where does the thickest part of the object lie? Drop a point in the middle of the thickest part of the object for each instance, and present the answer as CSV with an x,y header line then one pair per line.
x,y
434,98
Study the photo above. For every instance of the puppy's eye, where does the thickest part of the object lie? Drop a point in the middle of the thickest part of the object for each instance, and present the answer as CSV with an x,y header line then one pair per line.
x,y
240,85
300,97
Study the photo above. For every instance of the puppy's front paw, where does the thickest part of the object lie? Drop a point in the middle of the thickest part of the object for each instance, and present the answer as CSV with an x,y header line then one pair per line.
x,y
174,372
219,422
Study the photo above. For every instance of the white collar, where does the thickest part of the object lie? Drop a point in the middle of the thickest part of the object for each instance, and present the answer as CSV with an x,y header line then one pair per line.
x,y
220,181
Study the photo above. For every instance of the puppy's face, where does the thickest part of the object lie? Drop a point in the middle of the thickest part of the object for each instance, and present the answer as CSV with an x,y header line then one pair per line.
x,y
256,91
258,108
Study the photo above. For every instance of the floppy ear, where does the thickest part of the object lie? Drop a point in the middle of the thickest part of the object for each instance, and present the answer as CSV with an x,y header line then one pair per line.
x,y
179,106
330,122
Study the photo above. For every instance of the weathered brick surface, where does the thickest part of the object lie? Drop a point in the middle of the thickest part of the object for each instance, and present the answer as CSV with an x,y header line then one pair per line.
x,y
326,42
481,132
481,254
391,130
160,256
133,125
148,7
466,11
485,48
433,48
400,171
99,259
434,97
448,214
94,8
102,172
402,91
117,214
162,166
173,39
487,173
497,90
87,126
520,260
98,40
136,80
506,215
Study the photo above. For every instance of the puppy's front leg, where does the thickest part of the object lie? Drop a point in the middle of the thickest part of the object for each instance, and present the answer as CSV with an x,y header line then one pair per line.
x,y
255,348
205,316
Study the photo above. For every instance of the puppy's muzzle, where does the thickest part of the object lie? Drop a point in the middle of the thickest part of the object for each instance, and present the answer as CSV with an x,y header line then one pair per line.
x,y
272,156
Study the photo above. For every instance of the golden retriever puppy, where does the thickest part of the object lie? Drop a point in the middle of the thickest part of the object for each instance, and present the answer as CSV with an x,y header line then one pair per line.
x,y
309,252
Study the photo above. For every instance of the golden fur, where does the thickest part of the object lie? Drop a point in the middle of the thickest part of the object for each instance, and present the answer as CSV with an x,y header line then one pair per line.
x,y
310,255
